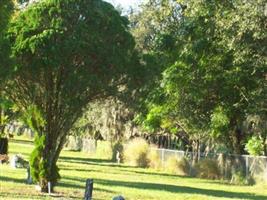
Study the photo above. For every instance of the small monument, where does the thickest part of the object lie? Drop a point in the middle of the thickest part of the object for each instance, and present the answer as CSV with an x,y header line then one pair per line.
x,y
118,198
88,189
29,177
118,157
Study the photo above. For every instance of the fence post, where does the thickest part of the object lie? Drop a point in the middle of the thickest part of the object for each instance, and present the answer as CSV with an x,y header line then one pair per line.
x,y
162,157
88,189
247,167
225,166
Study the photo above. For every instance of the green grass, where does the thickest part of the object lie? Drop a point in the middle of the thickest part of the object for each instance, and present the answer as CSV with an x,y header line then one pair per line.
x,y
111,179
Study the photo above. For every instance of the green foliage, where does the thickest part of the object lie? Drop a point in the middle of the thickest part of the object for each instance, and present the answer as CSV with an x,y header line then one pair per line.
x,y
8,113
211,82
136,153
6,9
219,122
255,146
208,168
153,118
154,25
39,166
34,119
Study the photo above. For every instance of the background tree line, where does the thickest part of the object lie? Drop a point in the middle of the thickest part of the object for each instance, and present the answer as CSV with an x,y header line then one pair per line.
x,y
211,71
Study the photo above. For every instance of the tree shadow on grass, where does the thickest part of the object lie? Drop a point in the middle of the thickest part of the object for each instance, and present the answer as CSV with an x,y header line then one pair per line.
x,y
79,186
92,161
8,179
108,163
183,189
21,141
155,173
60,184
124,172
86,160
64,168
177,189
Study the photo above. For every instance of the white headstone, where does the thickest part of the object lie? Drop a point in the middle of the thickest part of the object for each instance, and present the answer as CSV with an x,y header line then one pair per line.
x,y
13,161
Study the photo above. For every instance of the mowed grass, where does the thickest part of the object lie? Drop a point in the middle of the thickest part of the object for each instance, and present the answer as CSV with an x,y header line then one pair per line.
x,y
111,179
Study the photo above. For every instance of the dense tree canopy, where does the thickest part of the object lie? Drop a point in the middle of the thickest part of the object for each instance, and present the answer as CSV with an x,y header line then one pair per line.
x,y
6,113
6,8
214,75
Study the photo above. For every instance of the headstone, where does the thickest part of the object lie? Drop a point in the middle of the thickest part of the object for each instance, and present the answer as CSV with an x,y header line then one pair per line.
x,y
13,162
29,177
88,189
118,198
38,188
3,146
118,157
49,187
18,162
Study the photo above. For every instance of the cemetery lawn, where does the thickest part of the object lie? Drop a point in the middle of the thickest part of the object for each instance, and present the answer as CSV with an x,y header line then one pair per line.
x,y
111,179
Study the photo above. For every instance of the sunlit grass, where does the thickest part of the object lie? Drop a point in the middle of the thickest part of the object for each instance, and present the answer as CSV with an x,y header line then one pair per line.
x,y
111,179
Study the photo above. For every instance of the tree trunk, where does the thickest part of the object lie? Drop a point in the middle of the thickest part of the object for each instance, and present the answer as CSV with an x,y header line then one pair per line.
x,y
52,176
237,141
195,146
45,158
265,146
3,145
236,136
48,156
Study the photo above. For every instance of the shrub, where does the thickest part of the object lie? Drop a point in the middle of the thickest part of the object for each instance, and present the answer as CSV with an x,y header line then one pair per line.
x,y
117,147
136,153
255,146
177,166
239,178
154,159
208,168
39,166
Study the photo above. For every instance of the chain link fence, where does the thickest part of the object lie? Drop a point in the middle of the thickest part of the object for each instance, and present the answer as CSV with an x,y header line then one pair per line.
x,y
250,166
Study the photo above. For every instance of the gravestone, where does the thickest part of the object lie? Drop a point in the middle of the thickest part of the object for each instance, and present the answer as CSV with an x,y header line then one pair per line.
x,y
118,198
88,189
13,162
3,146
118,157
29,177
18,162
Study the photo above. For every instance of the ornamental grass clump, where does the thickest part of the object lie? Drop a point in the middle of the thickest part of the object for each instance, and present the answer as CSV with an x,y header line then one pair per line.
x,y
179,166
208,168
154,159
136,153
